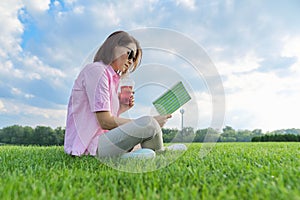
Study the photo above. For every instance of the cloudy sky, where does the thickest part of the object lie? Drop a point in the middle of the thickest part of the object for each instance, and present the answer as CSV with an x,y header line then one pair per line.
x,y
251,47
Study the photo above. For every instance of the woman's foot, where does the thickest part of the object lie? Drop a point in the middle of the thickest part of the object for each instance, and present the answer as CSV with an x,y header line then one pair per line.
x,y
142,153
173,147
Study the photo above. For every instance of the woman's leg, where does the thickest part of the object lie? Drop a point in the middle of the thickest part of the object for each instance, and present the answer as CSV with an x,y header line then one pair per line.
x,y
144,130
155,143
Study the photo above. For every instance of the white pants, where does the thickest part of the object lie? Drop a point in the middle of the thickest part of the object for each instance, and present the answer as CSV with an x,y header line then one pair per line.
x,y
145,131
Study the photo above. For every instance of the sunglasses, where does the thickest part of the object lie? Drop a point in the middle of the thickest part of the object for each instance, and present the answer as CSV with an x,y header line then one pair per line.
x,y
131,54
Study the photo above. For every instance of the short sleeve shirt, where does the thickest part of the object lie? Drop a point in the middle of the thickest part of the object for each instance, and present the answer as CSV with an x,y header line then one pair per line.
x,y
95,89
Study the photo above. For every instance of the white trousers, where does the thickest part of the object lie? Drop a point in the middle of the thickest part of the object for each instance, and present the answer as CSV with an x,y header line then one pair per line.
x,y
145,131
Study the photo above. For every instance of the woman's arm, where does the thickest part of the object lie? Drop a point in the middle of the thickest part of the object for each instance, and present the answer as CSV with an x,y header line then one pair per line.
x,y
107,121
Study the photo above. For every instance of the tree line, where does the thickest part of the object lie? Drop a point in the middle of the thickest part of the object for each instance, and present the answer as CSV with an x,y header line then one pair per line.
x,y
40,135
277,138
46,136
227,134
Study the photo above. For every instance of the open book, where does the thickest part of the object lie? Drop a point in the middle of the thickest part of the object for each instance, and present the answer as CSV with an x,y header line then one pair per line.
x,y
172,99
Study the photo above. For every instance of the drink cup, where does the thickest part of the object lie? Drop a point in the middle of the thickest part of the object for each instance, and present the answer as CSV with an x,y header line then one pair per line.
x,y
125,94
126,89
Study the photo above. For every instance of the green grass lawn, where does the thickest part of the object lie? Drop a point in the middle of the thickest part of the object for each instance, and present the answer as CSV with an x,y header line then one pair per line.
x,y
229,171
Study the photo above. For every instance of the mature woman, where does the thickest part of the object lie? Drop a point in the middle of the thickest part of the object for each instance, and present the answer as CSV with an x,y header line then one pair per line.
x,y
93,124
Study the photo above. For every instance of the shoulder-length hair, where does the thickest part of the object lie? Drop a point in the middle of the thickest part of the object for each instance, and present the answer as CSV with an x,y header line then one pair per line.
x,y
119,38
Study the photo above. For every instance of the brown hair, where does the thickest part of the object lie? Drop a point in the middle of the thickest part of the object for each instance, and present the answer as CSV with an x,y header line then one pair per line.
x,y
119,38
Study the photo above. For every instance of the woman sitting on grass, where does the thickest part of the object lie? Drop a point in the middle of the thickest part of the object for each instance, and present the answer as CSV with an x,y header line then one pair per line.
x,y
93,124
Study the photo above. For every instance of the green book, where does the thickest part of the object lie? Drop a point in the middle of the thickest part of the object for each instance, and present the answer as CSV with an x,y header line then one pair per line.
x,y
172,99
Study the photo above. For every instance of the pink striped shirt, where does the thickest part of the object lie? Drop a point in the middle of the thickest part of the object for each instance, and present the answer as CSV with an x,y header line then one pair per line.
x,y
95,89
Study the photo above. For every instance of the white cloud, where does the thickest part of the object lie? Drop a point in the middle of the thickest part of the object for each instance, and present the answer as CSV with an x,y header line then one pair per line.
x,y
56,3
36,6
115,15
11,30
292,49
204,105
263,100
33,69
29,96
38,68
7,70
1,106
79,10
10,40
190,4
15,91
32,116
244,64
150,4
229,4
70,2
18,92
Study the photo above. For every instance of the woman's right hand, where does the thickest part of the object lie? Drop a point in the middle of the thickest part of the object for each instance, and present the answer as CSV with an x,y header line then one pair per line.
x,y
162,119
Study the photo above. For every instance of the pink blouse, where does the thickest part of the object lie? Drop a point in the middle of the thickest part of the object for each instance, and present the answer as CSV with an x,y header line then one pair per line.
x,y
95,89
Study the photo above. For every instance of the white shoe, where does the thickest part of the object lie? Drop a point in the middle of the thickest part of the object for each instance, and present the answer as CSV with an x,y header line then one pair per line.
x,y
140,153
177,147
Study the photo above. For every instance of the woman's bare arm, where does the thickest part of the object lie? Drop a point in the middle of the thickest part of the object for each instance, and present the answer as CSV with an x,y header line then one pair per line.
x,y
107,121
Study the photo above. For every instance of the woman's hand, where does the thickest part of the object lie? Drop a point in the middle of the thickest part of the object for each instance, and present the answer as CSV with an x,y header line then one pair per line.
x,y
162,119
131,101
125,107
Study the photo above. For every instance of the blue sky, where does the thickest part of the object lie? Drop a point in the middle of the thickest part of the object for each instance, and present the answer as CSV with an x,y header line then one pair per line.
x,y
254,46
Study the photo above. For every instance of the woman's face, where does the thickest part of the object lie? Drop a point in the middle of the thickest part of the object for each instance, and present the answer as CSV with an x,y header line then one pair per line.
x,y
123,57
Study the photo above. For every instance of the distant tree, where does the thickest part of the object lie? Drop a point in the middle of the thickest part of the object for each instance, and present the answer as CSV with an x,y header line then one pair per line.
x,y
256,139
243,136
227,139
212,135
169,134
40,135
28,135
185,135
200,135
277,138
12,134
228,135
188,134
228,132
59,136
257,132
